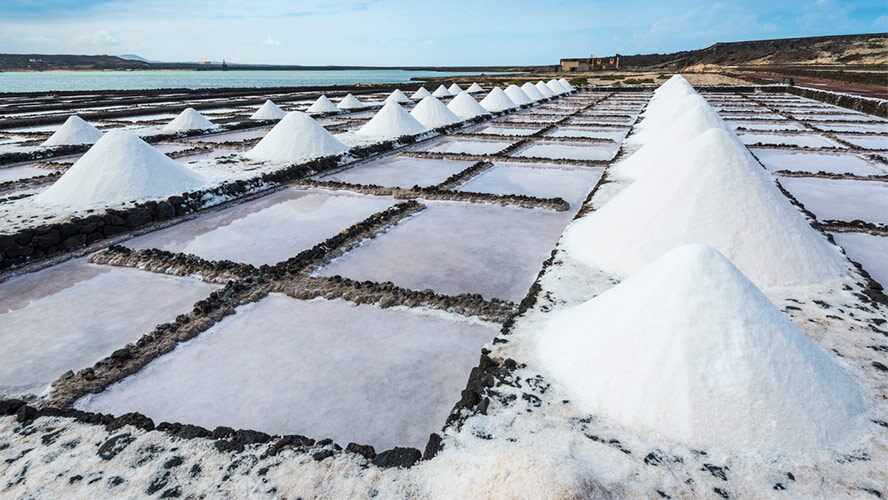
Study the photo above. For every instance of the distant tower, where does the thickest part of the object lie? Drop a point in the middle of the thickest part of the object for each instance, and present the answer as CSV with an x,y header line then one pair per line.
x,y
224,65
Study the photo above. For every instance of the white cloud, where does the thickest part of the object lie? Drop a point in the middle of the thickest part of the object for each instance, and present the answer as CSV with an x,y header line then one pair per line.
x,y
101,38
271,42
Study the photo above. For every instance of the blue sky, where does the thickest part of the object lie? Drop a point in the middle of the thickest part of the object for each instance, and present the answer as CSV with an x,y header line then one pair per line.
x,y
387,32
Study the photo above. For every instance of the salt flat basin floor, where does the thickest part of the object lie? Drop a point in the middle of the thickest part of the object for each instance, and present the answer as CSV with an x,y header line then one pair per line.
x,y
616,134
233,136
399,171
877,142
869,250
447,248
8,174
268,230
803,140
841,199
814,162
71,315
562,151
508,131
384,377
754,125
572,184
463,146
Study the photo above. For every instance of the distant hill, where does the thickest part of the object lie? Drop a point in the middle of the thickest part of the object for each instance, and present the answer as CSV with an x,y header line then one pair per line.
x,y
133,57
46,62
837,50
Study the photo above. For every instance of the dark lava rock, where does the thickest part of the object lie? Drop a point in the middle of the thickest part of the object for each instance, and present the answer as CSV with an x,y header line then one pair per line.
x,y
158,483
323,454
10,406
134,419
365,450
173,492
115,445
433,446
173,462
26,414
397,457
289,441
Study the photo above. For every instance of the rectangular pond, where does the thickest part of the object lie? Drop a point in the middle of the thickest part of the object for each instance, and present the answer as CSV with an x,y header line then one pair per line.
x,y
320,368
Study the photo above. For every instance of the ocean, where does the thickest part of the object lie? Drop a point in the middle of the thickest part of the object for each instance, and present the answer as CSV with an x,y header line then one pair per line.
x,y
158,79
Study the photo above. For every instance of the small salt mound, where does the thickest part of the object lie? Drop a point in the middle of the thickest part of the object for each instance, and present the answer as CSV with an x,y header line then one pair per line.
x,y
566,84
397,96
441,91
544,89
296,137
420,94
454,89
268,111
668,139
532,92
120,167
497,101
555,87
475,88
350,102
391,121
517,95
713,192
322,106
432,113
188,120
466,107
689,349
75,130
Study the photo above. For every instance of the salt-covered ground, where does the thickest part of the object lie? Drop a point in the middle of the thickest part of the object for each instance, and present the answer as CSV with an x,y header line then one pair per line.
x,y
609,133
268,230
803,140
447,248
447,145
841,199
834,163
755,125
383,377
507,131
21,172
868,142
570,184
399,171
71,315
557,151
868,250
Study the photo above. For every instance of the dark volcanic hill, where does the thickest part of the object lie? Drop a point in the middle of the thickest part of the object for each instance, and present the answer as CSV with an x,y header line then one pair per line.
x,y
844,50
45,62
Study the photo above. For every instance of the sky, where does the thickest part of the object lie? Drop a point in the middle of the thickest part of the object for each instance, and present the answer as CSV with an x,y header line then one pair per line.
x,y
403,33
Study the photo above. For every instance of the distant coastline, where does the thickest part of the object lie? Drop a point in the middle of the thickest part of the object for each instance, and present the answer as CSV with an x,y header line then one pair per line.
x,y
64,62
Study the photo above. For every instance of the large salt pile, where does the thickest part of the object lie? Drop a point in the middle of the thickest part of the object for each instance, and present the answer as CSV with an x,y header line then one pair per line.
x,y
689,349
532,92
566,84
397,96
544,89
432,113
664,117
268,111
667,94
391,121
497,100
441,91
75,130
517,95
555,87
322,106
466,107
667,139
712,192
296,137
120,167
188,120
350,102
420,94
475,88
454,89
